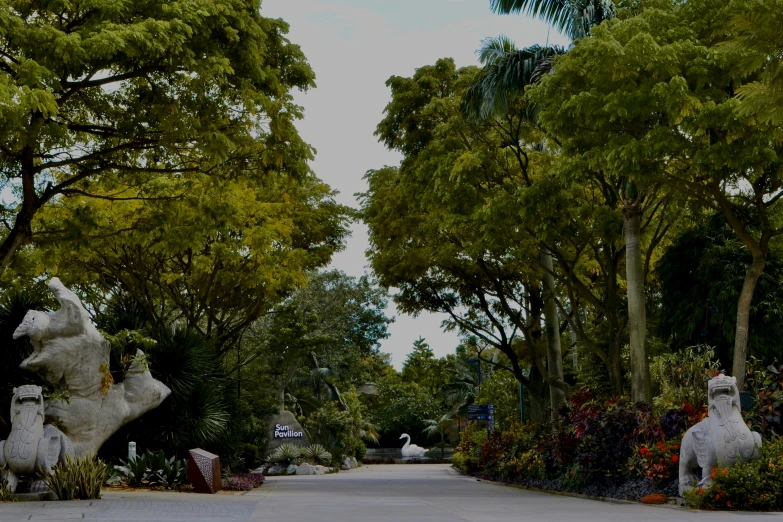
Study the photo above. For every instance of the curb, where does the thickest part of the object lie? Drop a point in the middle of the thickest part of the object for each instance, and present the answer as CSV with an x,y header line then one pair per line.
x,y
608,500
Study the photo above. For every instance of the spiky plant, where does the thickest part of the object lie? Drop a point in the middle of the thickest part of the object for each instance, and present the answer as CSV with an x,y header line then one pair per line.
x,y
316,454
77,478
285,454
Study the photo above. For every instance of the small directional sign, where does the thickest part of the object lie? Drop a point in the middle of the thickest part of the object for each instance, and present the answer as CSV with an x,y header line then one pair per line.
x,y
483,412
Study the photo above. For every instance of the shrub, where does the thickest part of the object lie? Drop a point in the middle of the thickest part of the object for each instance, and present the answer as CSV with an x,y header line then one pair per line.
x,y
770,401
5,491
248,455
468,452
285,454
151,469
316,454
683,377
755,486
79,478
242,481
660,461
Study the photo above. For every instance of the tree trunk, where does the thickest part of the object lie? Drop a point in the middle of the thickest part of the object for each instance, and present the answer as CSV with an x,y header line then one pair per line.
x,y
637,318
554,356
536,395
615,337
22,231
752,276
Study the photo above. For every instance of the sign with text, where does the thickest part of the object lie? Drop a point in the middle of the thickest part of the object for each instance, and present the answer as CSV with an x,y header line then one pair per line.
x,y
483,412
284,432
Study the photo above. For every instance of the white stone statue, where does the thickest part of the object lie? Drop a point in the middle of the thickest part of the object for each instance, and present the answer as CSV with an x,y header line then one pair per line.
x,y
31,443
722,439
411,450
73,357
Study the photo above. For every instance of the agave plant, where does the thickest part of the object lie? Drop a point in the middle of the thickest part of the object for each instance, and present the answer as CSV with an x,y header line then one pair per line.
x,y
285,454
79,478
316,454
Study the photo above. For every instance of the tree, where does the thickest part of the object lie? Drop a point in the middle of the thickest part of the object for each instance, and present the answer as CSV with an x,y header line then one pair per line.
x,y
630,103
215,259
441,427
324,337
502,81
573,17
758,44
422,367
701,275
133,95
578,19
444,225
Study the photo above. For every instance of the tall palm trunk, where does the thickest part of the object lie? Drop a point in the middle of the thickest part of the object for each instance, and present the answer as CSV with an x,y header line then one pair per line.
x,y
637,315
554,356
752,276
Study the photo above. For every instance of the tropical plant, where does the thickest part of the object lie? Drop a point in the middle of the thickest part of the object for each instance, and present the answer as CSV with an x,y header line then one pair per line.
x,y
285,454
683,376
316,454
151,469
76,478
573,17
441,428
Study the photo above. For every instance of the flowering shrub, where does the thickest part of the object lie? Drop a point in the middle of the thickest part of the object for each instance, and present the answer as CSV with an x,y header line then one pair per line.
x,y
243,481
660,461
756,485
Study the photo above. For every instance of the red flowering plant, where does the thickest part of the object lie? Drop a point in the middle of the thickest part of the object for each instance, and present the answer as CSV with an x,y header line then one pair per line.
x,y
660,461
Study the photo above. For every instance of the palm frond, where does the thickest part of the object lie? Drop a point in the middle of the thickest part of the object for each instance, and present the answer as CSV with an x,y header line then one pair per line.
x,y
493,50
572,17
505,79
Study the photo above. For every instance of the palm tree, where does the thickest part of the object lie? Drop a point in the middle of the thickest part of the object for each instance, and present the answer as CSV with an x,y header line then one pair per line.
x,y
507,72
441,427
574,18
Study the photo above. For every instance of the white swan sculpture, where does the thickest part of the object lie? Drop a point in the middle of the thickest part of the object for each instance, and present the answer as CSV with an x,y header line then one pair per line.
x,y
411,450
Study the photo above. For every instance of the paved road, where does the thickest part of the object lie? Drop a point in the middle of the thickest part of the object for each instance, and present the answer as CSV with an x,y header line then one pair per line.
x,y
394,493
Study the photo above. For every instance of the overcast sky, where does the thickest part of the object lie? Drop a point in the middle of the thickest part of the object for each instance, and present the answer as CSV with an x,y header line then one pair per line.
x,y
354,46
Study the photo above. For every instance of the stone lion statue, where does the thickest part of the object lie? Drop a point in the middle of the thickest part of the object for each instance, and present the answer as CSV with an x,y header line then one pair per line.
x,y
73,357
722,438
31,444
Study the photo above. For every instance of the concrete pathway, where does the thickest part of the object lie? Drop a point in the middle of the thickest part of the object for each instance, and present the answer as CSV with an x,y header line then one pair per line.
x,y
393,493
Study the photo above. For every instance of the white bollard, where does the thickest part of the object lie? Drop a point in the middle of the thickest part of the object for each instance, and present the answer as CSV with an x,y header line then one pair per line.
x,y
131,450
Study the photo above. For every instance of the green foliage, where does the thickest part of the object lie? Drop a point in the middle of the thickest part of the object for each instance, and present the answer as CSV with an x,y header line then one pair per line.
x,y
682,377
338,430
467,454
139,102
196,414
14,304
402,407
152,469
703,268
285,454
754,486
316,454
5,490
77,478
